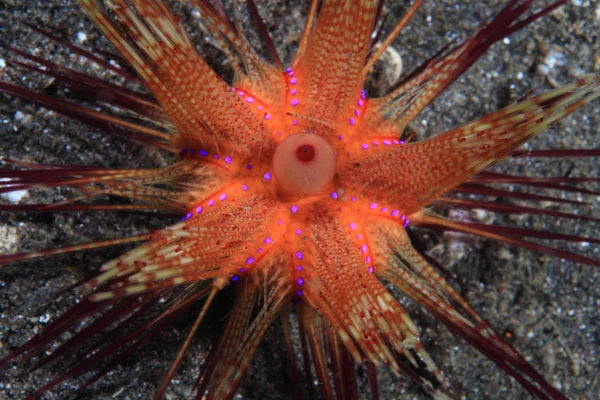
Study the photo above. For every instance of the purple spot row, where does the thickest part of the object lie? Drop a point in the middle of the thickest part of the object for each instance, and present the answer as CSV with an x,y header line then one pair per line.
x,y
251,100
203,153
385,142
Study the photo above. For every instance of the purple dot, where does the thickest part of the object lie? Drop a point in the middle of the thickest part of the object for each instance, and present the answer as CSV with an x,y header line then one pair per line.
x,y
211,202
352,121
352,226
376,143
293,81
288,69
363,94
199,209
203,153
298,232
293,92
250,100
334,195
268,240
259,108
403,217
368,259
216,156
259,250
395,141
279,133
395,213
244,187
360,102
299,292
299,267
250,260
235,278
183,218
241,93
188,215
242,269
386,142
363,248
280,222
356,113
340,137
294,102
384,209
228,160
268,116
402,142
291,73
299,255
294,209
222,197
267,176
353,199
359,236
371,269
249,166
373,206
295,122
300,281
364,146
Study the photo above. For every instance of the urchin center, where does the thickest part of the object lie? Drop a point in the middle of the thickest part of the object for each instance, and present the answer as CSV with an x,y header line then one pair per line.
x,y
304,164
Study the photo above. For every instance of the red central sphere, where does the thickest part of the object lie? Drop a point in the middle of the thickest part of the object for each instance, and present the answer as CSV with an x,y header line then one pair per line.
x,y
306,153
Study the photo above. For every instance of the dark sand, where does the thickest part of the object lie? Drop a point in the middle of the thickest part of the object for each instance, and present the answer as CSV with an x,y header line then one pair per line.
x,y
551,306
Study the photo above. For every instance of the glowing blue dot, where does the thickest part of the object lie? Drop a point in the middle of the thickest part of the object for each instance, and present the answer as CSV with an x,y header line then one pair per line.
x,y
228,160
249,166
235,278
199,209
182,218
334,195
250,260
294,209
288,69
242,269
203,153
216,156
299,292
293,81
300,281
299,255
188,215
267,176
299,267
386,142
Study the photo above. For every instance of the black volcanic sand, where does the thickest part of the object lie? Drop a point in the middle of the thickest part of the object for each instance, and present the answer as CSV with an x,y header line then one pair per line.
x,y
548,305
